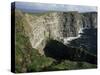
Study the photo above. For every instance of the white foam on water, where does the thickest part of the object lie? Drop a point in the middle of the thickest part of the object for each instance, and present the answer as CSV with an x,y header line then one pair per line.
x,y
68,39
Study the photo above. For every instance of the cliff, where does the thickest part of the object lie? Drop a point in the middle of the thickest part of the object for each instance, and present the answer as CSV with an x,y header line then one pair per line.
x,y
46,33
40,27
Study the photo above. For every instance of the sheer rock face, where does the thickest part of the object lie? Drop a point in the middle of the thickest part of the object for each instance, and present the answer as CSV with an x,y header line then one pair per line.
x,y
71,24
89,20
41,27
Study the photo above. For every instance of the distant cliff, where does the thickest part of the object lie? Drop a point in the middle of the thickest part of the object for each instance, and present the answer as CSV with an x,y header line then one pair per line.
x,y
41,27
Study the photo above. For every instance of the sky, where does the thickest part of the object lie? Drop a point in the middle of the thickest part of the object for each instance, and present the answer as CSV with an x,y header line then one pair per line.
x,y
37,7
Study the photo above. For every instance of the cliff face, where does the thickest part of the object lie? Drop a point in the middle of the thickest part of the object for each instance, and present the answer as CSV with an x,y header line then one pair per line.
x,y
41,27
89,20
74,22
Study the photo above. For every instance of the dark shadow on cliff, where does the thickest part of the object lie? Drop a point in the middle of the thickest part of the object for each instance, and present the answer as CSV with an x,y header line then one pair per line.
x,y
59,51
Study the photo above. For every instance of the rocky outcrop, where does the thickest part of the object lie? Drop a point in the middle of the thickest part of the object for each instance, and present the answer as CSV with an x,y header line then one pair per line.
x,y
40,27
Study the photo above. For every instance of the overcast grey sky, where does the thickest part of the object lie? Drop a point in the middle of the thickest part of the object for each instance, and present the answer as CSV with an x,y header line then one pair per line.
x,y
28,6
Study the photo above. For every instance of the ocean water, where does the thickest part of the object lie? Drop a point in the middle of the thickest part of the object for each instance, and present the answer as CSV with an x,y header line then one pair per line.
x,y
87,40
